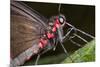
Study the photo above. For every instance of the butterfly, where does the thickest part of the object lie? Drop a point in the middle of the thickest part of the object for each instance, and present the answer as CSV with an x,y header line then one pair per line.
x,y
32,33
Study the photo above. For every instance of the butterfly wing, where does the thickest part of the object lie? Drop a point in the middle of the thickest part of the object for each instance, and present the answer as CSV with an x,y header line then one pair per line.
x,y
27,25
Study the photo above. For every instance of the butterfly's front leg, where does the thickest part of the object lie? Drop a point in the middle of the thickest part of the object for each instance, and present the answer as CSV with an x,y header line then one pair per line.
x,y
61,43
39,54
75,33
71,34
68,34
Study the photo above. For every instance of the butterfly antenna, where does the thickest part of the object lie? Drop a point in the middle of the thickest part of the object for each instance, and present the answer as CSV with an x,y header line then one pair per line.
x,y
85,33
59,8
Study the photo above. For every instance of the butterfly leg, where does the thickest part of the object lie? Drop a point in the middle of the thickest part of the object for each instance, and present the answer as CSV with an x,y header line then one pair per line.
x,y
39,54
85,33
75,43
80,30
81,38
37,59
66,51
67,34
73,35
55,44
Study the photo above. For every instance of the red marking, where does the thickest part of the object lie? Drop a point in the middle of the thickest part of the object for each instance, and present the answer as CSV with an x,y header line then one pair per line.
x,y
50,35
42,43
54,29
56,25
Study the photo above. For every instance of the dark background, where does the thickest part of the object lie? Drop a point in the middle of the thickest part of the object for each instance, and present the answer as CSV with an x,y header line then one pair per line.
x,y
81,16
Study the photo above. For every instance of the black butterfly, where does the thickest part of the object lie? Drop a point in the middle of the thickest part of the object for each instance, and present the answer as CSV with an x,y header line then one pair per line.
x,y
32,33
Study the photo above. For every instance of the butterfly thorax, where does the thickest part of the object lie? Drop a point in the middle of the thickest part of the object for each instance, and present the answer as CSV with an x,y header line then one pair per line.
x,y
50,33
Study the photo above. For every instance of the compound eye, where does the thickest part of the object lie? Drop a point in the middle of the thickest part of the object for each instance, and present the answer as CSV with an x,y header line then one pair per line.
x,y
61,19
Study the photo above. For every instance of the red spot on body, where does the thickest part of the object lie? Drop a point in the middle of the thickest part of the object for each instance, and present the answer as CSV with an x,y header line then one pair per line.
x,y
56,25
54,29
40,45
50,35
43,43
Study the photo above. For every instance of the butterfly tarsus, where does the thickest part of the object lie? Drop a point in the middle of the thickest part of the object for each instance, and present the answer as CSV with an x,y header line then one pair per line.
x,y
39,54
37,59
75,43
81,38
66,52
67,33
80,30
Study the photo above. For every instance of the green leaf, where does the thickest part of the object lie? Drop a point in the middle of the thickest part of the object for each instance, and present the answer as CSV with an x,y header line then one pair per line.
x,y
84,54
